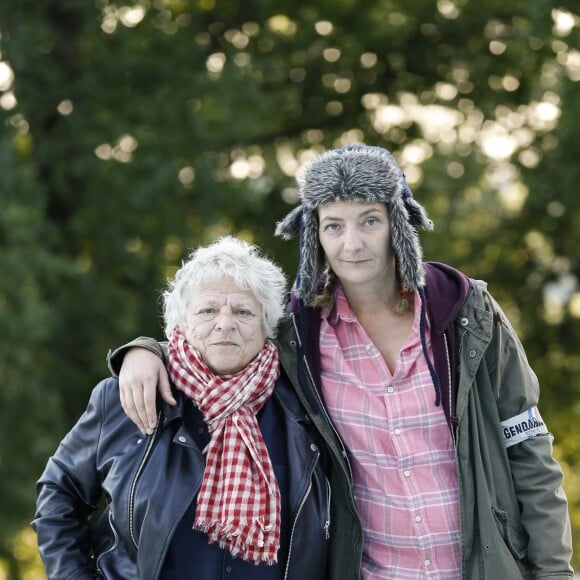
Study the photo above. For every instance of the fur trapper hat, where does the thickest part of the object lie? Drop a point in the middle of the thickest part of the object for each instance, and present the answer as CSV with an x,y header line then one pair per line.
x,y
359,173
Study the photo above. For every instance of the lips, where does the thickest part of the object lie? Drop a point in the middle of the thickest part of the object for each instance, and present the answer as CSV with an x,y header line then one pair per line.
x,y
354,261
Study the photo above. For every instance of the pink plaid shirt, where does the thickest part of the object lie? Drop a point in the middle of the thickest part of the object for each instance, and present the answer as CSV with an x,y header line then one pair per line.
x,y
400,450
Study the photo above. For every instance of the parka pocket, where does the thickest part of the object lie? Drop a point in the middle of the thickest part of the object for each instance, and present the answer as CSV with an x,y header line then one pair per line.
x,y
513,535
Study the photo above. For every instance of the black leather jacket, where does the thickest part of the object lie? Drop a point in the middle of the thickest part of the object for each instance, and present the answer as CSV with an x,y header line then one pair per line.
x,y
150,482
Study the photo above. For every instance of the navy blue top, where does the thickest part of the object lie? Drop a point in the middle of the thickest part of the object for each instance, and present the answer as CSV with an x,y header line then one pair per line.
x,y
189,555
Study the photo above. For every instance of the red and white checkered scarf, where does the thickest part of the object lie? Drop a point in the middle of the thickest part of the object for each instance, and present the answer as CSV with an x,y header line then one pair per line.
x,y
238,505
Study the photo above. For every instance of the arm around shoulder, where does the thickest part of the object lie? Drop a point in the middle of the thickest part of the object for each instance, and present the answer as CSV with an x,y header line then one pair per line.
x,y
115,357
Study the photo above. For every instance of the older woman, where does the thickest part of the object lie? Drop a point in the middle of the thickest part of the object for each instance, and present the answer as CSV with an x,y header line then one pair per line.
x,y
230,483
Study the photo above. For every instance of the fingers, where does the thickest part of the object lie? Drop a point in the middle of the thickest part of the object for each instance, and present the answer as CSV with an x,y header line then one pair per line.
x,y
147,403
138,379
126,390
165,388
146,410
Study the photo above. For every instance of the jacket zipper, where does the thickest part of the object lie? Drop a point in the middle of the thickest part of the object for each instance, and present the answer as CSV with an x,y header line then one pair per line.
x,y
114,545
294,527
451,403
328,500
326,526
134,483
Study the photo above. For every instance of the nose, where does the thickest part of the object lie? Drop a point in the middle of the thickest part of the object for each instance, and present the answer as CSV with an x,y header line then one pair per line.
x,y
225,320
352,241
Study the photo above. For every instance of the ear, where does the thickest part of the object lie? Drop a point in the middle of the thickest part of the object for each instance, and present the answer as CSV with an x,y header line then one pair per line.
x,y
290,225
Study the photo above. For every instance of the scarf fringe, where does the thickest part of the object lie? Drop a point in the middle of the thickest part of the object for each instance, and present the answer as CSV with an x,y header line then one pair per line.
x,y
250,542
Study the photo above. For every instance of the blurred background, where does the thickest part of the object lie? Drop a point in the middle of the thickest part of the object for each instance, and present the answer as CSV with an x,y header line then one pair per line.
x,y
131,132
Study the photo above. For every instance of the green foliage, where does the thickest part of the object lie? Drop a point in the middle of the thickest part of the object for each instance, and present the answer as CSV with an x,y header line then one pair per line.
x,y
132,133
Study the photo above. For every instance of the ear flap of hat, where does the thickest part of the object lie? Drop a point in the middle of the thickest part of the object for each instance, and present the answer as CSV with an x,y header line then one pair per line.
x,y
417,215
303,221
290,225
406,244
311,257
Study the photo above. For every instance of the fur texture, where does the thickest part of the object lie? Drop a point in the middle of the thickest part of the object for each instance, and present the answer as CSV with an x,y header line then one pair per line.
x,y
364,174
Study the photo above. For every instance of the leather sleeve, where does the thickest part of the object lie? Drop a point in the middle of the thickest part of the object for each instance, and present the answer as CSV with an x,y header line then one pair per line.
x,y
67,493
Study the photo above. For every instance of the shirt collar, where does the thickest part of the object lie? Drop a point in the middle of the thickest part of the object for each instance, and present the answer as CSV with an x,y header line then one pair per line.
x,y
340,309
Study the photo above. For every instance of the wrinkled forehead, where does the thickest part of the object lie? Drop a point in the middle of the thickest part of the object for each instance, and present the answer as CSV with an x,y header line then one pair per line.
x,y
221,290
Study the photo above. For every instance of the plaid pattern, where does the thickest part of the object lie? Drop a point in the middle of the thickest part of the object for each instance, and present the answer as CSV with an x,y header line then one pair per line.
x,y
238,505
398,441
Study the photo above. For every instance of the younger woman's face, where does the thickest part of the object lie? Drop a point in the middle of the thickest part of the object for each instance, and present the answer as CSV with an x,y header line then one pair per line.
x,y
356,238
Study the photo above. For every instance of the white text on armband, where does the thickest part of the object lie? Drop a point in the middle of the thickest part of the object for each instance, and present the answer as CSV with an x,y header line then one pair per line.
x,y
523,426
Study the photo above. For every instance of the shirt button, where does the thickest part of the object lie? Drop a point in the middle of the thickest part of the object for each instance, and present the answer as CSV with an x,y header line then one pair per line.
x,y
397,431
390,390
181,439
427,562
228,569
418,518
472,353
407,473
464,322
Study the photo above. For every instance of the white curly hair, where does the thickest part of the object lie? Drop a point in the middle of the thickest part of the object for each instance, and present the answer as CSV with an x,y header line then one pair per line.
x,y
228,257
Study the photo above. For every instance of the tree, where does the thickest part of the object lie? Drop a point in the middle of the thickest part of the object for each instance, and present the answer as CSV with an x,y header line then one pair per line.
x,y
133,133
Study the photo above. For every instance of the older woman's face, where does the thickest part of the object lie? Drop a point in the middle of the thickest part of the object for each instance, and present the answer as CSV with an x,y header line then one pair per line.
x,y
224,323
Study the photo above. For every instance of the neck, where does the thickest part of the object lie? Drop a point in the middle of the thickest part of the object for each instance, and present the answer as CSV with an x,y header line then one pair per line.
x,y
370,299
